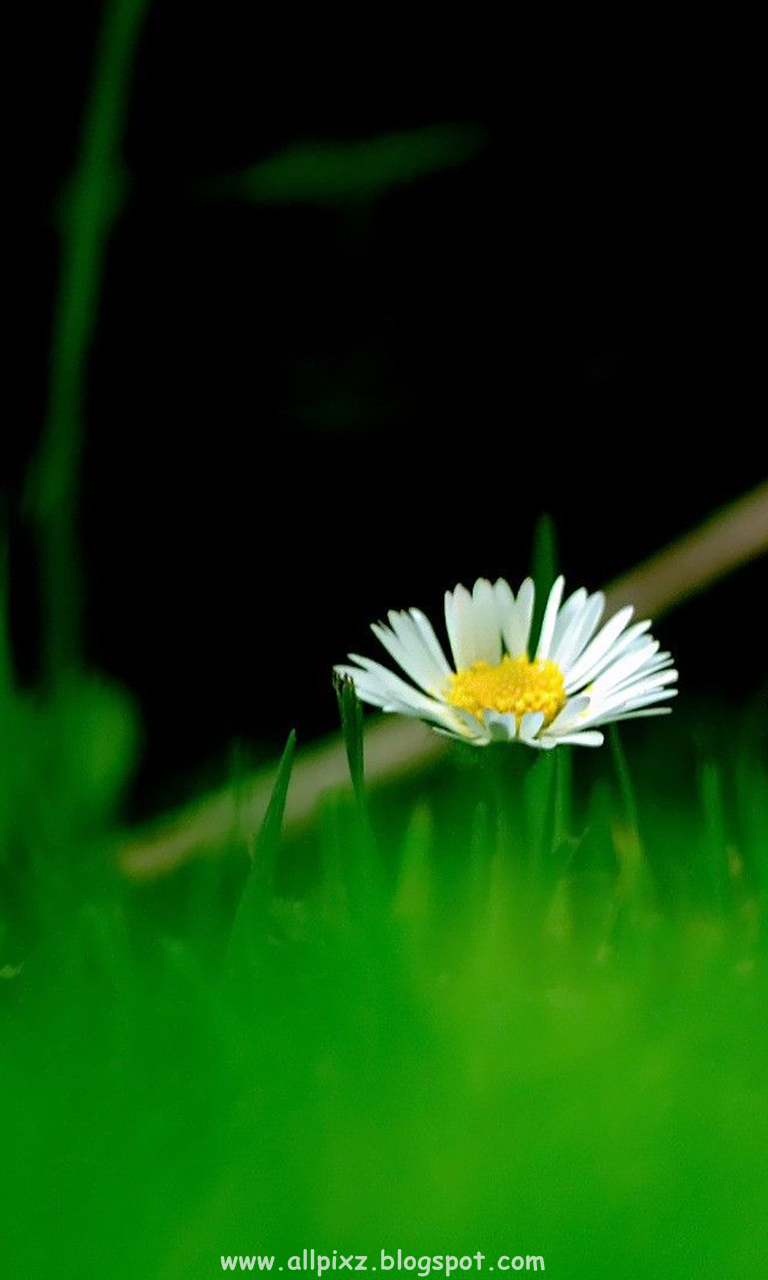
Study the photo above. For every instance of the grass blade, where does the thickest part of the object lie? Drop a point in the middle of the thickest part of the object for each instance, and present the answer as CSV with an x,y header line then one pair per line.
x,y
351,712
338,172
95,197
540,803
250,916
544,569
413,894
714,843
563,795
624,777
364,869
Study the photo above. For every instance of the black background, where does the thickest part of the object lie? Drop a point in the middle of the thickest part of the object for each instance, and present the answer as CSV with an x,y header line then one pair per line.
x,y
302,415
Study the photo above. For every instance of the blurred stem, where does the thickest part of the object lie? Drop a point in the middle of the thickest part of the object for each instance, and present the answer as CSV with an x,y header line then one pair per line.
x,y
628,800
89,211
495,780
544,568
563,795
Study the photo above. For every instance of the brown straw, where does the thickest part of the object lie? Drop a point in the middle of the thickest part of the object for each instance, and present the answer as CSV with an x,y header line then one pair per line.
x,y
395,747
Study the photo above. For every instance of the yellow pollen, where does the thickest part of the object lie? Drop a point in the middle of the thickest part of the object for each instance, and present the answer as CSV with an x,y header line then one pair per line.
x,y
516,685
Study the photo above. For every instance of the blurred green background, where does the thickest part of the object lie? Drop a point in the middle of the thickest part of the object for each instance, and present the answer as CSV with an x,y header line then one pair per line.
x,y
306,334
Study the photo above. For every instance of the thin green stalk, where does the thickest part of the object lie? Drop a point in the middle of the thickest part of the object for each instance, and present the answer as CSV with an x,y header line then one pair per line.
x,y
626,789
544,570
365,870
92,203
249,926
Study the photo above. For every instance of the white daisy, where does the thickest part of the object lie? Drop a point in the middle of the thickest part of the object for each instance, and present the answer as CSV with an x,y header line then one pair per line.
x,y
578,679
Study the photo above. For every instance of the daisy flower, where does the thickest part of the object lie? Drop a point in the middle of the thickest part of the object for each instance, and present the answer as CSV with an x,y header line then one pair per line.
x,y
578,679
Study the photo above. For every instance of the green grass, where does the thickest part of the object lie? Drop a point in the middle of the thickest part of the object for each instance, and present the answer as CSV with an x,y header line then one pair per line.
x,y
517,1004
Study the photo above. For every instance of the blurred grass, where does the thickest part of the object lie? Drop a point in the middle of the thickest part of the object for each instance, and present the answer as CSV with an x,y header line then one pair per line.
x,y
332,172
477,1010
89,209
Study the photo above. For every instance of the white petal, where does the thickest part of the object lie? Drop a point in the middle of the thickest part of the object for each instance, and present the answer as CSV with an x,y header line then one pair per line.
x,y
588,739
581,631
645,699
659,662
597,648
530,724
550,618
516,627
639,715
505,605
634,687
459,620
574,712
405,644
644,683
396,690
635,658
568,614
501,726
431,641
458,736
581,673
433,665
487,634
618,710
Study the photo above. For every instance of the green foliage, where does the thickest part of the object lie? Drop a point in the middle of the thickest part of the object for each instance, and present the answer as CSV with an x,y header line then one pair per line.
x,y
626,789
89,209
544,570
249,926
351,713
714,840
483,1017
65,760
476,1010
326,172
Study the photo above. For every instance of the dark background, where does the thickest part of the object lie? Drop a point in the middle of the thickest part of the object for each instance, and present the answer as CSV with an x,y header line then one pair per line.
x,y
301,415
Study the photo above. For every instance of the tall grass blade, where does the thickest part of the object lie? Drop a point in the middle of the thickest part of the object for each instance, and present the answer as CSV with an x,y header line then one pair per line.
x,y
351,712
252,910
544,570
338,172
90,211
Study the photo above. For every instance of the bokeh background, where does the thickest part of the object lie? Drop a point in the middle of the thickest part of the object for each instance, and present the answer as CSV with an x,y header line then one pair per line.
x,y
375,293
473,278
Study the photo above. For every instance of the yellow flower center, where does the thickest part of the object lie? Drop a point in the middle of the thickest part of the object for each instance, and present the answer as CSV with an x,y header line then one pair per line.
x,y
516,685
